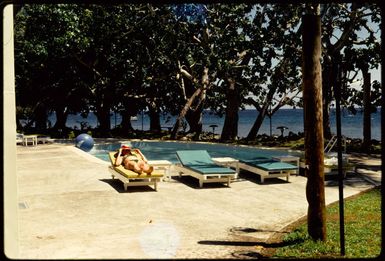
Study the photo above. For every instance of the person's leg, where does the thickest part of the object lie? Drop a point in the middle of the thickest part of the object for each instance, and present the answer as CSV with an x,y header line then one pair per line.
x,y
131,165
137,168
149,169
145,167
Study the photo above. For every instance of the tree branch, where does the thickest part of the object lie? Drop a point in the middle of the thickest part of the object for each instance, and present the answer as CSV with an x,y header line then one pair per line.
x,y
91,68
251,101
363,42
197,39
186,74
345,34
353,77
181,82
285,100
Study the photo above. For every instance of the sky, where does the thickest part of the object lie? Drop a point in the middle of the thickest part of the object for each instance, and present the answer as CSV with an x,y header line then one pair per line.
x,y
375,73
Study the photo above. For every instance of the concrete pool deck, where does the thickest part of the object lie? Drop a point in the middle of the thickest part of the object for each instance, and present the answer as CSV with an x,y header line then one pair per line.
x,y
69,208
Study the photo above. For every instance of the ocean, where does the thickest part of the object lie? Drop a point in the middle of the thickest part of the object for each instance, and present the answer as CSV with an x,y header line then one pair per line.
x,y
352,125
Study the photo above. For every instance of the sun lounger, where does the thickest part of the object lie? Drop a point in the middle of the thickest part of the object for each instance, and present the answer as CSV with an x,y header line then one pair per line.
x,y
331,164
198,164
268,168
19,138
44,139
131,178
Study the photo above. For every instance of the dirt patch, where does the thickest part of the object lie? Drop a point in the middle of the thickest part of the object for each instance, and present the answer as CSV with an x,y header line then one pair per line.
x,y
254,247
276,240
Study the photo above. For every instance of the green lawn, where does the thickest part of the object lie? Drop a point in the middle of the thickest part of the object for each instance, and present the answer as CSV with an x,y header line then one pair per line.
x,y
362,232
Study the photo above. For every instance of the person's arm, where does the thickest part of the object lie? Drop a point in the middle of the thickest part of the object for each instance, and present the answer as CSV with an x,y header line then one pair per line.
x,y
119,158
139,153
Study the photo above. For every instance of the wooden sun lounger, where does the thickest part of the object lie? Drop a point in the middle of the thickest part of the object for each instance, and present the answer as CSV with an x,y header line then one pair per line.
x,y
131,178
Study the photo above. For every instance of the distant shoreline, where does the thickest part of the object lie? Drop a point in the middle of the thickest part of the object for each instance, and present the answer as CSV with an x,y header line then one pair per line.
x,y
292,118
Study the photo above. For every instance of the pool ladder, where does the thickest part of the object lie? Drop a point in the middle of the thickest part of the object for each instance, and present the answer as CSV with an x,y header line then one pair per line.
x,y
332,142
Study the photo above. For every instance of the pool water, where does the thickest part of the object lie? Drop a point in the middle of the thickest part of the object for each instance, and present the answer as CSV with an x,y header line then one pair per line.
x,y
165,150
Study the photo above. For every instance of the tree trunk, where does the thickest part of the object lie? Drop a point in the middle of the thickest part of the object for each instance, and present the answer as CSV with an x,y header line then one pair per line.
x,y
261,115
366,144
41,118
154,118
258,123
194,120
183,112
61,118
196,99
104,119
130,109
313,126
126,125
230,126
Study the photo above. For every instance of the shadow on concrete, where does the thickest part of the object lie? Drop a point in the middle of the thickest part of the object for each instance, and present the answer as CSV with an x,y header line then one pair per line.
x,y
369,167
352,179
256,244
366,162
194,183
254,230
257,179
118,186
248,255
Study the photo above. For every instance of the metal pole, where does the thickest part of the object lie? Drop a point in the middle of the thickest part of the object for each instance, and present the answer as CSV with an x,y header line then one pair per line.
x,y
382,129
142,120
337,94
142,134
271,128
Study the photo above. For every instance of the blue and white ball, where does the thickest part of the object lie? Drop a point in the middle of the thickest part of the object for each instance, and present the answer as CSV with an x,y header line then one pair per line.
x,y
84,142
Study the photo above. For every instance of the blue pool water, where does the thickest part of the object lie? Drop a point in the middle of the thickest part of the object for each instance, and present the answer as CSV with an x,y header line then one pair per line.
x,y
165,150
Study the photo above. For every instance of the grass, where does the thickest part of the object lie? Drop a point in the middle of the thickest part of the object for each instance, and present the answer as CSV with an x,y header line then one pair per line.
x,y
362,232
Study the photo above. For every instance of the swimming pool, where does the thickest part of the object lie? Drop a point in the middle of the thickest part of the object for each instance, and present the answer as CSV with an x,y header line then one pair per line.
x,y
165,150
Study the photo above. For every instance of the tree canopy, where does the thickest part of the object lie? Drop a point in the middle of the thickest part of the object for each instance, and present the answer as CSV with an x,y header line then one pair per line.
x,y
180,59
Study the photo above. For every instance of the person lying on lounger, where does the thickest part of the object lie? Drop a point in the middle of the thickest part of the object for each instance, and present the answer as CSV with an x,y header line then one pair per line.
x,y
132,159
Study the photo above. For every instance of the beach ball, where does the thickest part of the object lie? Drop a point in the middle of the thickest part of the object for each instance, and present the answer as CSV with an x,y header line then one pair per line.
x,y
84,142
